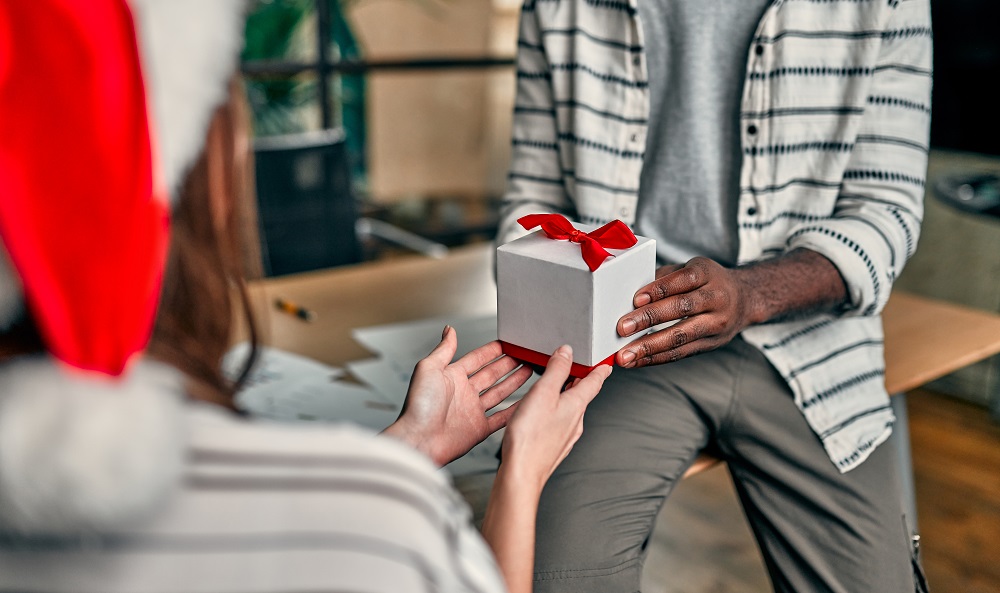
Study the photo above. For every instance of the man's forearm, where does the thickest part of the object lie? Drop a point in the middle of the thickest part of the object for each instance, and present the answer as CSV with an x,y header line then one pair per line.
x,y
797,283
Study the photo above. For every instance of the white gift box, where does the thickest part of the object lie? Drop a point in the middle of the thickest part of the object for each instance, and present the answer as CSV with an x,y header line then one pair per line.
x,y
547,296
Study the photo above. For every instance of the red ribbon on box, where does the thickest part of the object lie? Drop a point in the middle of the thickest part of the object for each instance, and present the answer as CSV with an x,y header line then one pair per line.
x,y
540,359
594,245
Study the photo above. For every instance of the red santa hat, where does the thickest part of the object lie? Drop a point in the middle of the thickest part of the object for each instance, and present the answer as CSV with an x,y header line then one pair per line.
x,y
104,106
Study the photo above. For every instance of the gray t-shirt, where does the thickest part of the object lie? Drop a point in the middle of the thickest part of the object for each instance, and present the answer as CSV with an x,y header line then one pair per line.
x,y
696,53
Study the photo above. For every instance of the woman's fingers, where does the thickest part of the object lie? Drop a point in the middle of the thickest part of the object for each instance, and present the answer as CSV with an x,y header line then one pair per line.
x,y
478,358
505,388
556,371
587,388
492,372
442,354
497,421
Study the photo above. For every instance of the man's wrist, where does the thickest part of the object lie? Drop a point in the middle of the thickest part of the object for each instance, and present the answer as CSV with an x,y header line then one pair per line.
x,y
801,281
753,305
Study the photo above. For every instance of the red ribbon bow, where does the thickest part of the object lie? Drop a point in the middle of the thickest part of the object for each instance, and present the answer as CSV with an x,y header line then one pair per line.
x,y
614,235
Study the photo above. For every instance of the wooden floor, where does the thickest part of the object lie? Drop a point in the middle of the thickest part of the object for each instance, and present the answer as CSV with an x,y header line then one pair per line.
x,y
956,458
702,543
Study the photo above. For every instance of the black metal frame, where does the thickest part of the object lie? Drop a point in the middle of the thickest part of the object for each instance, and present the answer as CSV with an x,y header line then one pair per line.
x,y
326,68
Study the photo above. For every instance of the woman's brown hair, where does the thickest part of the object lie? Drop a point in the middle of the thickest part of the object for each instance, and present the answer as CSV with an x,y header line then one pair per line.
x,y
211,234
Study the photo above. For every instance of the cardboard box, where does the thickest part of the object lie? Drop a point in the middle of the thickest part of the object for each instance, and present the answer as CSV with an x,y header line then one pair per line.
x,y
547,296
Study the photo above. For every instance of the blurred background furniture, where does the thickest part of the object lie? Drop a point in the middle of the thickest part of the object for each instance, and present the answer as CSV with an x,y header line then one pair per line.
x,y
306,206
958,260
976,193
307,209
423,90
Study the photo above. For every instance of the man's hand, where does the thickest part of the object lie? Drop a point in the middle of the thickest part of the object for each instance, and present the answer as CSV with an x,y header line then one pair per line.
x,y
445,413
713,303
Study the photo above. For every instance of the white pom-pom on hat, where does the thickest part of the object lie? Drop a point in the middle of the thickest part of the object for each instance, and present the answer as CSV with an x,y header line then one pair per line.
x,y
82,452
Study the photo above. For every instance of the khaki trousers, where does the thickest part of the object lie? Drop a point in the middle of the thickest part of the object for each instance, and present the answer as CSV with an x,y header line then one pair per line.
x,y
818,529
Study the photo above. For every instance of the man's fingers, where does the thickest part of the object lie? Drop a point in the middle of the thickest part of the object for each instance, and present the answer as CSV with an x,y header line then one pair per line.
x,y
668,309
668,269
478,358
505,388
678,341
686,278
680,353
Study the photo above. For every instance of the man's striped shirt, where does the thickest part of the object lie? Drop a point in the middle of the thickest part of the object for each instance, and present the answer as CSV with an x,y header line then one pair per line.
x,y
835,117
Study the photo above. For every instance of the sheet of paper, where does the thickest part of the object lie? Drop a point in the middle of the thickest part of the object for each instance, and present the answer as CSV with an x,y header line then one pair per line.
x,y
385,376
285,386
407,343
273,365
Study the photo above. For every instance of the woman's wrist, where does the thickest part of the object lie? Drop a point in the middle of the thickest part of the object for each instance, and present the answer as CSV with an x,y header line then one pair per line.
x,y
402,431
519,476
509,526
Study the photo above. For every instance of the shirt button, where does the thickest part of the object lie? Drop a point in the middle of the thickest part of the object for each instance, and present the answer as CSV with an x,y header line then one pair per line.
x,y
752,129
759,50
623,212
637,61
751,211
634,137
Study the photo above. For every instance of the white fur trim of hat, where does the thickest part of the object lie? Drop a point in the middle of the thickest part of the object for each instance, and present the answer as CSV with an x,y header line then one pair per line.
x,y
81,452
190,48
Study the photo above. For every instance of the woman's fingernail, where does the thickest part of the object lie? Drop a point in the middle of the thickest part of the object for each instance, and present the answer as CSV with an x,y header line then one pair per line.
x,y
628,326
642,299
628,358
444,332
565,351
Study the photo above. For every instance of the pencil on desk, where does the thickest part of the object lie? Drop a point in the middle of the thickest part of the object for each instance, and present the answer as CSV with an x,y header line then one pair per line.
x,y
293,309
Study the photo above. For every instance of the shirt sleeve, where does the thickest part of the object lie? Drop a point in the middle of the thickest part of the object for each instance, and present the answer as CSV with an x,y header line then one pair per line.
x,y
535,181
475,569
876,223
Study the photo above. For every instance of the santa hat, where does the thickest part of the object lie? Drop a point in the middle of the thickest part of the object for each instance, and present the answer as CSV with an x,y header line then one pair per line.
x,y
104,106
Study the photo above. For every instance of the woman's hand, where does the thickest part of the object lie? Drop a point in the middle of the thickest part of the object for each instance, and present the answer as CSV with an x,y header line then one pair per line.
x,y
548,421
445,413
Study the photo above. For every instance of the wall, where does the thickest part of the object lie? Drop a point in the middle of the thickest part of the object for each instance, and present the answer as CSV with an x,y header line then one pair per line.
x,y
440,132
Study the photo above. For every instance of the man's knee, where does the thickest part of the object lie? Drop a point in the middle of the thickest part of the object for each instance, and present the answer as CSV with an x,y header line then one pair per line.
x,y
595,524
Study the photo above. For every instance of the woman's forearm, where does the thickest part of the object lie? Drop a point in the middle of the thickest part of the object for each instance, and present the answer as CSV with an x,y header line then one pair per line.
x,y
509,526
